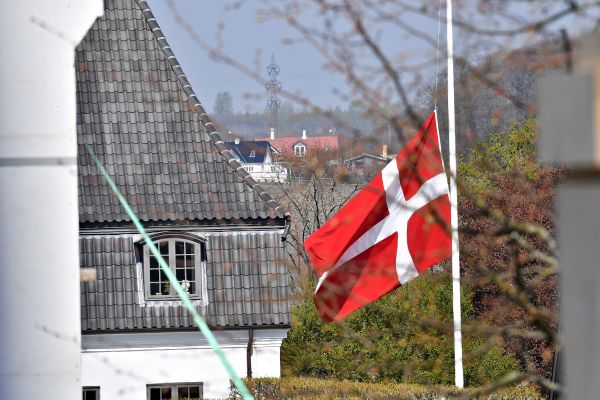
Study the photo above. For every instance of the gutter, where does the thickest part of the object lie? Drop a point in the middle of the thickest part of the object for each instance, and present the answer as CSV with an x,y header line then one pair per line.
x,y
287,226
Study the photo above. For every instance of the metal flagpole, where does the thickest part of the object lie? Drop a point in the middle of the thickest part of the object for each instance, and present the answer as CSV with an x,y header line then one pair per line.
x,y
458,361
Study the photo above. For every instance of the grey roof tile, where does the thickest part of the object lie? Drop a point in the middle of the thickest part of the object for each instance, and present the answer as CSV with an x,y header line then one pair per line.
x,y
130,94
244,289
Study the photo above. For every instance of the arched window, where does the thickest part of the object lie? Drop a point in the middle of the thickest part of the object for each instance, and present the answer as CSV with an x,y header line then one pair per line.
x,y
185,256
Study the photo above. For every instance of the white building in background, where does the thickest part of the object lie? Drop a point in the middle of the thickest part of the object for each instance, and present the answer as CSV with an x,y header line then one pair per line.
x,y
257,158
219,231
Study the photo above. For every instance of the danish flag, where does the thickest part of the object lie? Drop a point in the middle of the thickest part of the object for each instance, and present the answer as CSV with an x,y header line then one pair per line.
x,y
394,229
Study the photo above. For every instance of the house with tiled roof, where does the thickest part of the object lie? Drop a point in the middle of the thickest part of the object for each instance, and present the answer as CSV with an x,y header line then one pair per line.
x,y
257,157
220,232
365,166
300,146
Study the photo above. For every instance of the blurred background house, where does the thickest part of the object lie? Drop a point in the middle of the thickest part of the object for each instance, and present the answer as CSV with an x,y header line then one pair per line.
x,y
364,167
257,157
301,146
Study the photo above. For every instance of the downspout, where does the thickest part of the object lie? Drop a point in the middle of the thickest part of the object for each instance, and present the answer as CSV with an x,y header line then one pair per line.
x,y
286,229
249,351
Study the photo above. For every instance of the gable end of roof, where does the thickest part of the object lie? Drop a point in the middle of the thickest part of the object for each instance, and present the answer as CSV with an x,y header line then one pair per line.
x,y
216,138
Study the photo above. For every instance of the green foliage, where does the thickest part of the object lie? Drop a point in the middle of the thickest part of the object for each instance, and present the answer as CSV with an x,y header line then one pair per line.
x,y
501,153
404,337
311,388
487,366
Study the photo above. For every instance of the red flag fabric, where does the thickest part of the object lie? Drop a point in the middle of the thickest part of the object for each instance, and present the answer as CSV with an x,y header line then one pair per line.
x,y
394,229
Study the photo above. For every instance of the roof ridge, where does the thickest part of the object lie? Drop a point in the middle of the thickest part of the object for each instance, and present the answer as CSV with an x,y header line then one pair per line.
x,y
215,137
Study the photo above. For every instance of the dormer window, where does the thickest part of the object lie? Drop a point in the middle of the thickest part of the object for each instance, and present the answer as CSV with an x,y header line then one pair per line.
x,y
252,154
300,150
185,256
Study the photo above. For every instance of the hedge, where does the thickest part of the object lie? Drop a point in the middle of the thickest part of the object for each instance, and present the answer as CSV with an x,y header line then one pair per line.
x,y
320,389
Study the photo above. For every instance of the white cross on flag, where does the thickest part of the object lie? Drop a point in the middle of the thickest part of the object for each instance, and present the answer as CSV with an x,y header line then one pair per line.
x,y
394,229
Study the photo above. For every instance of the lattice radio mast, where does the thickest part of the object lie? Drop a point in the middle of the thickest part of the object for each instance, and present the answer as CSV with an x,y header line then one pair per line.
x,y
273,87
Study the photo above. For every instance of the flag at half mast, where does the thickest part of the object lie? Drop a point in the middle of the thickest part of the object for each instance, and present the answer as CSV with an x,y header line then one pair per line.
x,y
393,230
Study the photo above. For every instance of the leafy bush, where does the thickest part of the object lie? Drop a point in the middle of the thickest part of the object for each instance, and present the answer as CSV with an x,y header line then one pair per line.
x,y
311,388
502,153
404,337
504,176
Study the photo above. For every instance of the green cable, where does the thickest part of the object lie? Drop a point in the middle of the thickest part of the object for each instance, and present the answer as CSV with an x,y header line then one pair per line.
x,y
200,323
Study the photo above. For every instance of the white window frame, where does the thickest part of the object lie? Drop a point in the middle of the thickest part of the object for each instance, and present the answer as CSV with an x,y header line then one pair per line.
x,y
300,150
174,388
199,267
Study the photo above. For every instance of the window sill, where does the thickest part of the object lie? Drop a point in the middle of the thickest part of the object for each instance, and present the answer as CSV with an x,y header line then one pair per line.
x,y
172,298
171,302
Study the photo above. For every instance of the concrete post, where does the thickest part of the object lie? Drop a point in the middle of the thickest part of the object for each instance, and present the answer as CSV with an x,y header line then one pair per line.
x,y
579,229
570,136
39,275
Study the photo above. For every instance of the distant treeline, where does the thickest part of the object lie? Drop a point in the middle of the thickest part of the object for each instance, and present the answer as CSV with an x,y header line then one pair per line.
x,y
293,121
483,107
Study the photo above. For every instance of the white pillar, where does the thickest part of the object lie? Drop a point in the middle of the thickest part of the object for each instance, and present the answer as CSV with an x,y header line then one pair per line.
x,y
570,137
39,277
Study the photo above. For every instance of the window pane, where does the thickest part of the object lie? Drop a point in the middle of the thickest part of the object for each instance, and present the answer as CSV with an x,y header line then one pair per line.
x,y
185,284
160,393
91,393
155,394
179,248
154,275
189,274
180,273
182,392
188,392
164,248
180,261
164,288
192,288
154,289
195,392
189,248
153,262
189,260
163,276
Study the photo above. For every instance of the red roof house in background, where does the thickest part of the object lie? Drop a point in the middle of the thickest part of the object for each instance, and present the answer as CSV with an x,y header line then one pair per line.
x,y
300,145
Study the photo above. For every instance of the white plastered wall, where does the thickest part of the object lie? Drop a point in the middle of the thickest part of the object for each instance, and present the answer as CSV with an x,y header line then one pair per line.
x,y
122,365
